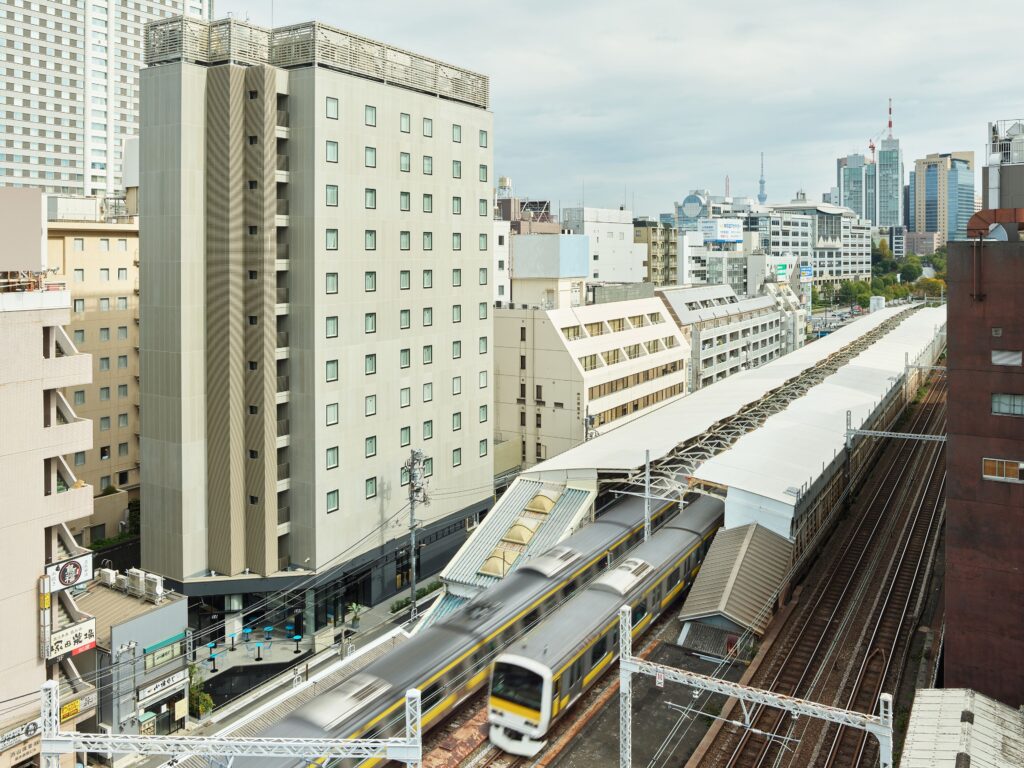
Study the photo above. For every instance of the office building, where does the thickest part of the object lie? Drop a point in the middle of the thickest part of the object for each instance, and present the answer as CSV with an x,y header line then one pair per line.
x,y
984,584
840,241
316,303
889,176
727,334
660,240
858,186
921,243
71,104
42,493
942,195
613,254
97,256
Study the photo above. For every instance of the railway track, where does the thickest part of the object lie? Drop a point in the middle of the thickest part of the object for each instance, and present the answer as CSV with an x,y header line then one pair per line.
x,y
808,653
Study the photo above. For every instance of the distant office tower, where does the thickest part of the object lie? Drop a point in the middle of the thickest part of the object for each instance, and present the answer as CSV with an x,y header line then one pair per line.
x,y
858,186
942,195
71,102
315,304
889,205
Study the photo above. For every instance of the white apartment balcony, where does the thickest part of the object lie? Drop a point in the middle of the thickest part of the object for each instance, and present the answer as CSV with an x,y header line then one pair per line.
x,y
65,366
63,431
65,497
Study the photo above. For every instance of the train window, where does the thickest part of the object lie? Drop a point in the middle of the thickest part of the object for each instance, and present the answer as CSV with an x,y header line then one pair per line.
x,y
672,580
531,618
432,694
570,588
575,672
597,650
639,611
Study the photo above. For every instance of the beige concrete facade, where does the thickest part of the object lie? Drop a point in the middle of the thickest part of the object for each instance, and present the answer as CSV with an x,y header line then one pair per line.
x,y
99,261
942,162
662,254
576,370
41,494
315,303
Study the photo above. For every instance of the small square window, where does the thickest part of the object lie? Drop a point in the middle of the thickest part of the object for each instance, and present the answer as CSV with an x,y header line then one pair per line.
x,y
253,141
404,278
428,165
457,133
331,197
370,116
370,198
105,271
331,239
104,305
122,302
79,336
428,429
122,391
428,467
122,361
482,412
370,405
105,421
332,151
428,354
122,420
483,138
483,447
104,393
483,173
456,421
428,127
104,334
79,275
456,349
104,482
456,169
404,241
253,274
369,282
332,108
482,310
253,184
332,414
482,277
482,379
104,453
457,457
78,244
405,436
332,370
370,446
370,322
370,364
404,318
370,157
404,162
456,278
253,365
253,320
456,313
79,458
428,278
122,449
428,241
428,392
122,273
428,203
483,241
404,201
332,282
332,501
332,327
370,240
371,487
332,457
456,206
404,122
404,358
404,397
456,385
104,363
483,207
456,241
482,345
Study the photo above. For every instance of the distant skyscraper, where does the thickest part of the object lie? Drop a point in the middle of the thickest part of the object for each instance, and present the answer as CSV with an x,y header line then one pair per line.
x,y
888,212
75,96
942,195
762,195
858,186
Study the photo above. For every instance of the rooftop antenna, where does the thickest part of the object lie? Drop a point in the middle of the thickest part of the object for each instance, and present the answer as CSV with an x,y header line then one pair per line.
x,y
890,118
727,186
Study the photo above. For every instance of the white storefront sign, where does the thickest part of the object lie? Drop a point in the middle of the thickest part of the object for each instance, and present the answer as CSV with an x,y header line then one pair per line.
x,y
72,640
22,733
68,573
161,686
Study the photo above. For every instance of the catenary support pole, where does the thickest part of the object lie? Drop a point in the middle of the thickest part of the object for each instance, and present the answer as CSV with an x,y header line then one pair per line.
x,y
647,494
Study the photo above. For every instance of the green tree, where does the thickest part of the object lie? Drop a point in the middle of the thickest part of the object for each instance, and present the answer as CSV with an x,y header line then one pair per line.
x,y
910,272
199,701
134,517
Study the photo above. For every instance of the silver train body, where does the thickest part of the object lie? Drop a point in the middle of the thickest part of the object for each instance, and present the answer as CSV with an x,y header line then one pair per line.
x,y
450,660
538,678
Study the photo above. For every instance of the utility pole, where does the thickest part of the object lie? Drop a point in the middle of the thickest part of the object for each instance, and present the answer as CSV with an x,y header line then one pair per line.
x,y
647,494
415,468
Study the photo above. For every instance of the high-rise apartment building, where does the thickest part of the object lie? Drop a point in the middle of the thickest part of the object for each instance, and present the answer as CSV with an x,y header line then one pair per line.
x,y
660,239
71,90
315,304
41,491
942,195
98,259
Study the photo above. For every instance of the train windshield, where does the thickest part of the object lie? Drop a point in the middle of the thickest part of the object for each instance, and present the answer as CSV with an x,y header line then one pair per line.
x,y
518,685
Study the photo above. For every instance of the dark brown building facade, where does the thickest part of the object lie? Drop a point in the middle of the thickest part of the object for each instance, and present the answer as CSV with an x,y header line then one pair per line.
x,y
984,581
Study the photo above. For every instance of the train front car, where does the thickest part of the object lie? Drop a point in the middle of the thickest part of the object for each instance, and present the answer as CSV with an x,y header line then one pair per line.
x,y
519,705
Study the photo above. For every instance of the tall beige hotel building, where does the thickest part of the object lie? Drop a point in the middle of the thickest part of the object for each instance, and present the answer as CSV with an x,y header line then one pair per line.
x,y
315,211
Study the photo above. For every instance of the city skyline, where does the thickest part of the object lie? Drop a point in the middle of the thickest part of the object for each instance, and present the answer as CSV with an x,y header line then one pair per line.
x,y
700,115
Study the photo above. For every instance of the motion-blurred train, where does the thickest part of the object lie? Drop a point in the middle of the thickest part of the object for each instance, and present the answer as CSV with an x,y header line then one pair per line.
x,y
450,660
539,677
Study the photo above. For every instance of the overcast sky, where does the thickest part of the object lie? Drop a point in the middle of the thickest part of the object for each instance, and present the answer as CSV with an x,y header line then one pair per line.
x,y
641,101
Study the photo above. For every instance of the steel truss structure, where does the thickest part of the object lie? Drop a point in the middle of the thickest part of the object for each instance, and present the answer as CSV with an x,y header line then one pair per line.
x,y
221,750
880,726
670,476
850,433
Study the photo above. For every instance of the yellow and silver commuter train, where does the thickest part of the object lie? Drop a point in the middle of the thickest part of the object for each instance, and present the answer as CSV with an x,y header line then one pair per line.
x,y
450,660
539,677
